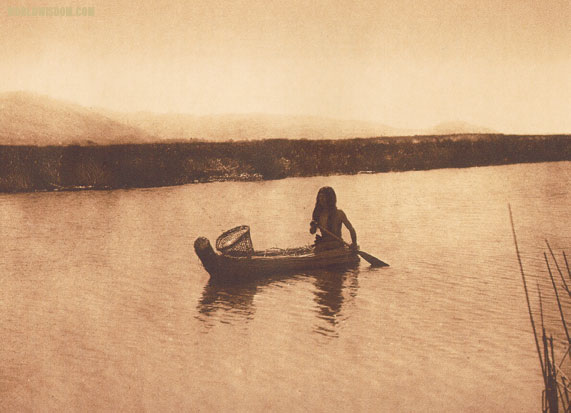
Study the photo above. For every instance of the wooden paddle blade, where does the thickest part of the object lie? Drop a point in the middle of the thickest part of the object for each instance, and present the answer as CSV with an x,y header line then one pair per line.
x,y
374,261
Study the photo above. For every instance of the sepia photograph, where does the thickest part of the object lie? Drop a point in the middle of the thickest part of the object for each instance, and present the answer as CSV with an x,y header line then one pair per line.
x,y
285,206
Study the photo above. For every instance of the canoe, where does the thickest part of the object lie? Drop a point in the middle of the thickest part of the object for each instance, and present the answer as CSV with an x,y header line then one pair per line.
x,y
262,263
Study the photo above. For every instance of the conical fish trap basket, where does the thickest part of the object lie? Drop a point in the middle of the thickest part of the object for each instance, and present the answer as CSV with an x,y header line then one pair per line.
x,y
236,241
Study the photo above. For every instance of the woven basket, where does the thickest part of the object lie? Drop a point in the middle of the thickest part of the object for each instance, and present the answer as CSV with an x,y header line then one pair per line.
x,y
236,242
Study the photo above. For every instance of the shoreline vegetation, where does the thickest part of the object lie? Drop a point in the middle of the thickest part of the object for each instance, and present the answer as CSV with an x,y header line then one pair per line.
x,y
557,386
76,167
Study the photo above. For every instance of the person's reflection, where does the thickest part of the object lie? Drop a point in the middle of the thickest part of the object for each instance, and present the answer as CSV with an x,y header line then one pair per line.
x,y
329,289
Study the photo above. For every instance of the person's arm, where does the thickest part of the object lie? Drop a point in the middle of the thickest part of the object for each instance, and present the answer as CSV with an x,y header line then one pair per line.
x,y
312,227
347,224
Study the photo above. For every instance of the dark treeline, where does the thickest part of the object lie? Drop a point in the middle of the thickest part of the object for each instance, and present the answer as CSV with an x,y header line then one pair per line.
x,y
30,168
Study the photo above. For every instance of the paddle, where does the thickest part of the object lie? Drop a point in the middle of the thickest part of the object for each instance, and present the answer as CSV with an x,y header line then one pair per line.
x,y
374,261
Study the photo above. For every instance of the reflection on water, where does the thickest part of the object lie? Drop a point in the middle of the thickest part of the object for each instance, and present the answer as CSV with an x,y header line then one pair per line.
x,y
329,289
237,299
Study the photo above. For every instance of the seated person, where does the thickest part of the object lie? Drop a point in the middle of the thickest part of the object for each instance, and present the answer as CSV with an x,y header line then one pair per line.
x,y
327,216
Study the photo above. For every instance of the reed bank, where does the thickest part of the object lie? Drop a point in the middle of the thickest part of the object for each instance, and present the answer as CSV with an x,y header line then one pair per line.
x,y
89,166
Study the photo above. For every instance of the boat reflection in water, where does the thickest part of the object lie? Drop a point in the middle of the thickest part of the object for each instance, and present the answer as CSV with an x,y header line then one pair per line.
x,y
233,302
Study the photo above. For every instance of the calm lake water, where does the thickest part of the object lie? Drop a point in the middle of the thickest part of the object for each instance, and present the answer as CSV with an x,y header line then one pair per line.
x,y
105,306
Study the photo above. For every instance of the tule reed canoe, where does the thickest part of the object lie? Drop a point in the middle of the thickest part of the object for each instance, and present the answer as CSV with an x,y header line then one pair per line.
x,y
263,263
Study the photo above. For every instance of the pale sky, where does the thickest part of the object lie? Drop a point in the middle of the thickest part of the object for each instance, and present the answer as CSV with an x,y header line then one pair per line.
x,y
502,64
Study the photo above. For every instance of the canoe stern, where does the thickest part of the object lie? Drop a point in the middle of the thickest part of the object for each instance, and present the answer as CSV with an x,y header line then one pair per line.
x,y
207,255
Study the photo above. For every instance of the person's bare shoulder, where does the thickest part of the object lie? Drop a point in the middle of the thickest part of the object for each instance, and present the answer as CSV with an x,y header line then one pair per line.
x,y
343,218
341,214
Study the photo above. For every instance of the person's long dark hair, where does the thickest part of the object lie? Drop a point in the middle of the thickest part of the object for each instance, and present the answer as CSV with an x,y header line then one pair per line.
x,y
331,208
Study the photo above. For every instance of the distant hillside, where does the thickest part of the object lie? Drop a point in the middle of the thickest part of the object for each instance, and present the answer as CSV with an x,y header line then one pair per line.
x,y
30,119
458,127
251,127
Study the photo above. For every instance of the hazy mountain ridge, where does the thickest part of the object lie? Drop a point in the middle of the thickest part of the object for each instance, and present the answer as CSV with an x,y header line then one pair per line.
x,y
457,127
31,119
252,127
